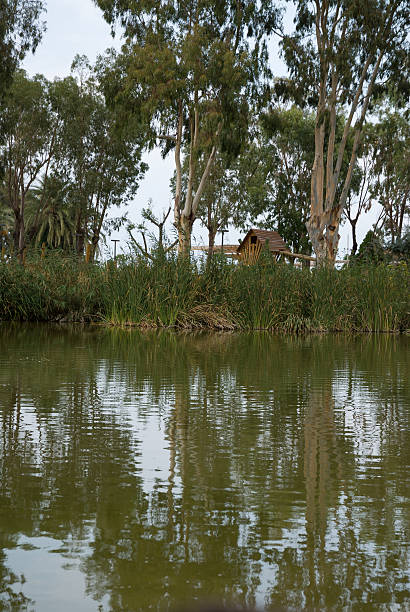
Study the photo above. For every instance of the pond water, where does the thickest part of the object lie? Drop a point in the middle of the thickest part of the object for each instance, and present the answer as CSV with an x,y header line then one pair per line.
x,y
149,471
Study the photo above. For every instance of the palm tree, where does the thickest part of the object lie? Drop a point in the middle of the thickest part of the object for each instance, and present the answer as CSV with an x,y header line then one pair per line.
x,y
50,215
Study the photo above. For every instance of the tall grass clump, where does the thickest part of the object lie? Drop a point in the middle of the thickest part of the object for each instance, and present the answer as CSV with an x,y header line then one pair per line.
x,y
218,294
381,297
55,288
156,294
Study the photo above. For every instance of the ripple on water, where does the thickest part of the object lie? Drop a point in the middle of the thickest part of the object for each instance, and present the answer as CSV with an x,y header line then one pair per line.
x,y
143,470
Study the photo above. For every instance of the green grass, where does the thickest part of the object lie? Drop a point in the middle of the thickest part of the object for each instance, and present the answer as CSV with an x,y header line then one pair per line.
x,y
168,293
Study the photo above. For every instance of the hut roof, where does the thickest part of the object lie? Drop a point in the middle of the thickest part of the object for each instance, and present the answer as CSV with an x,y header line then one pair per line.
x,y
275,241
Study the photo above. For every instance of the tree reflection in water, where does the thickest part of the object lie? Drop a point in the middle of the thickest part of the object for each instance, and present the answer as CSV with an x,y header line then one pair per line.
x,y
286,475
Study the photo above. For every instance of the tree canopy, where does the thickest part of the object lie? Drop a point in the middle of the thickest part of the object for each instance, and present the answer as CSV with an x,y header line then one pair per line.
x,y
187,72
21,30
340,56
194,80
273,176
66,159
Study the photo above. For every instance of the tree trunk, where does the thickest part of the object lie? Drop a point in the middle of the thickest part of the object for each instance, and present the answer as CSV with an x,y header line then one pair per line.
x,y
97,230
17,232
354,237
211,243
79,236
323,234
184,235
94,244
325,213
402,212
22,244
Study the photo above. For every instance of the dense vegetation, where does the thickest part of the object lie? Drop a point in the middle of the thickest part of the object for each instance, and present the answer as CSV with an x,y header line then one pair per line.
x,y
221,295
300,154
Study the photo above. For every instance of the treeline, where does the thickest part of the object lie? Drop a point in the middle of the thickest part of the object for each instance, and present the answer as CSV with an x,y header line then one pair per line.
x,y
300,154
66,161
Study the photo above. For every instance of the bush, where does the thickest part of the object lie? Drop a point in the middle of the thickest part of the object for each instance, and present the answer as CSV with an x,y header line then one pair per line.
x,y
400,249
371,249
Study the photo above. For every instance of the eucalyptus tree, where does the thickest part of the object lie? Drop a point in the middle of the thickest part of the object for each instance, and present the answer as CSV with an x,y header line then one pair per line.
x,y
187,71
339,57
99,160
268,184
391,170
285,157
21,30
30,140
215,208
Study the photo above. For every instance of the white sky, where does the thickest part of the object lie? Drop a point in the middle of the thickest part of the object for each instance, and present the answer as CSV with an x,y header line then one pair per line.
x,y
77,26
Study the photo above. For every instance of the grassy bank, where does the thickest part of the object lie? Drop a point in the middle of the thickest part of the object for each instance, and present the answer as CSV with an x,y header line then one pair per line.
x,y
221,296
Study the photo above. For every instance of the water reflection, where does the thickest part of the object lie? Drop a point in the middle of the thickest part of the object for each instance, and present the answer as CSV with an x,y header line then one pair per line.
x,y
148,470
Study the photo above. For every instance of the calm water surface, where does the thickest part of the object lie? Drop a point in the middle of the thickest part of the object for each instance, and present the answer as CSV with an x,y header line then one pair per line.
x,y
144,471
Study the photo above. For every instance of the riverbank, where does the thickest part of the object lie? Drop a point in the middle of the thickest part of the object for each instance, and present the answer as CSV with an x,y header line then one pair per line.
x,y
224,296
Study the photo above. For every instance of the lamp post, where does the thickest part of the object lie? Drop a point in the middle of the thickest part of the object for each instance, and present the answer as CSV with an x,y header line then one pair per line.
x,y
223,231
115,248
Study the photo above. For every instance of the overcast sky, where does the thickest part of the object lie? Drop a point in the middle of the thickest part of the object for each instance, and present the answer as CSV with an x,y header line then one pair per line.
x,y
77,26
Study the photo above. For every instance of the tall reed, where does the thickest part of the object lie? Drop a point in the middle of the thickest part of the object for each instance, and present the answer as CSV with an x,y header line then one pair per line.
x,y
219,295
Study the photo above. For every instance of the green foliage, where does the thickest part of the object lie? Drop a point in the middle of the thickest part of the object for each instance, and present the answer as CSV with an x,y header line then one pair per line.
x,y
371,249
273,176
6,215
57,287
390,145
50,215
31,128
166,292
66,160
195,54
20,32
340,57
401,247
186,75
98,160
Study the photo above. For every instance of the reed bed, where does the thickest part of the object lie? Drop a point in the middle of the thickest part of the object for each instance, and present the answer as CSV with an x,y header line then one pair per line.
x,y
193,295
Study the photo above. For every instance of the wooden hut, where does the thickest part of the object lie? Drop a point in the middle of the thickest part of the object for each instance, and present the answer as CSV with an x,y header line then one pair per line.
x,y
255,240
